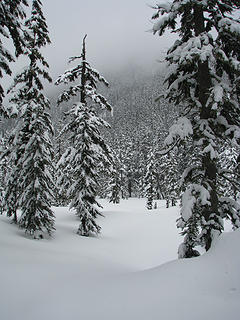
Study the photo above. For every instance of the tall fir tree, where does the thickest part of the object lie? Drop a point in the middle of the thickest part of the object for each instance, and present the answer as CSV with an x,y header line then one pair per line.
x,y
88,153
204,81
11,15
32,147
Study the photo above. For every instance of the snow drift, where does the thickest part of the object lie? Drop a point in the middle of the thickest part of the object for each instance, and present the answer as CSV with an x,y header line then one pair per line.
x,y
123,274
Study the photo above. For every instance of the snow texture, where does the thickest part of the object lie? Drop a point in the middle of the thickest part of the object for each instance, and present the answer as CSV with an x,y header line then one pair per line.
x,y
125,273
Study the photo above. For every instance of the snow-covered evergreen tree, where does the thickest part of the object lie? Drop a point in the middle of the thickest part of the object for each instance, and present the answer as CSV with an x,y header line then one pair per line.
x,y
203,80
168,176
88,152
150,180
11,14
115,186
10,177
4,168
32,147
118,180
171,178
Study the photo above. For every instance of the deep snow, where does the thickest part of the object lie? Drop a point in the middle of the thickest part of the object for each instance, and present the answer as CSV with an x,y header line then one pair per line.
x,y
124,273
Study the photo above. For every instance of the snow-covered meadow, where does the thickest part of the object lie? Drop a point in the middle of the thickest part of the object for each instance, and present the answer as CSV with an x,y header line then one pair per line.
x,y
128,272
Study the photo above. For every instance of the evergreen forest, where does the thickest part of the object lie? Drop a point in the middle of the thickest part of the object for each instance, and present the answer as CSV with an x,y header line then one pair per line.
x,y
170,135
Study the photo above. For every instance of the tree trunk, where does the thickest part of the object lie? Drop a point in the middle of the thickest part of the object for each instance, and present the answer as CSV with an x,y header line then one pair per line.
x,y
208,165
83,75
15,220
130,188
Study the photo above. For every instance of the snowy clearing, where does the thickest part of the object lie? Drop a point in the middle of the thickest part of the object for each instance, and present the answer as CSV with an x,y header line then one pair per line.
x,y
125,273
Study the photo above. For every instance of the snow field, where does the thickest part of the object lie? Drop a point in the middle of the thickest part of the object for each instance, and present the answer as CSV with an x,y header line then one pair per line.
x,y
124,273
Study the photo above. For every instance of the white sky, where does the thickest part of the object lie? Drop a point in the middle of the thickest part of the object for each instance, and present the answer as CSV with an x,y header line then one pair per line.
x,y
117,33
119,36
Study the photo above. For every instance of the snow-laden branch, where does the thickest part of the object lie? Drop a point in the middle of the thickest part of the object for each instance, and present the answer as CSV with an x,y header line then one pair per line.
x,y
182,129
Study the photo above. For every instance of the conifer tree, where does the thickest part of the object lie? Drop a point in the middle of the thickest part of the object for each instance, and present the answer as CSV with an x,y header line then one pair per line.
x,y
32,148
10,194
129,159
150,180
204,81
118,182
4,168
162,183
115,186
121,156
87,152
11,14
171,178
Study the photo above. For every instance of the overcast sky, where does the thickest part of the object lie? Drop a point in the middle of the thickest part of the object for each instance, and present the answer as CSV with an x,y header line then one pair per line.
x,y
117,33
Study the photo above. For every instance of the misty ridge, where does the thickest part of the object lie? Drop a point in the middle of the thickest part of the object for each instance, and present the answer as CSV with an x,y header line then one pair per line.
x,y
132,91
